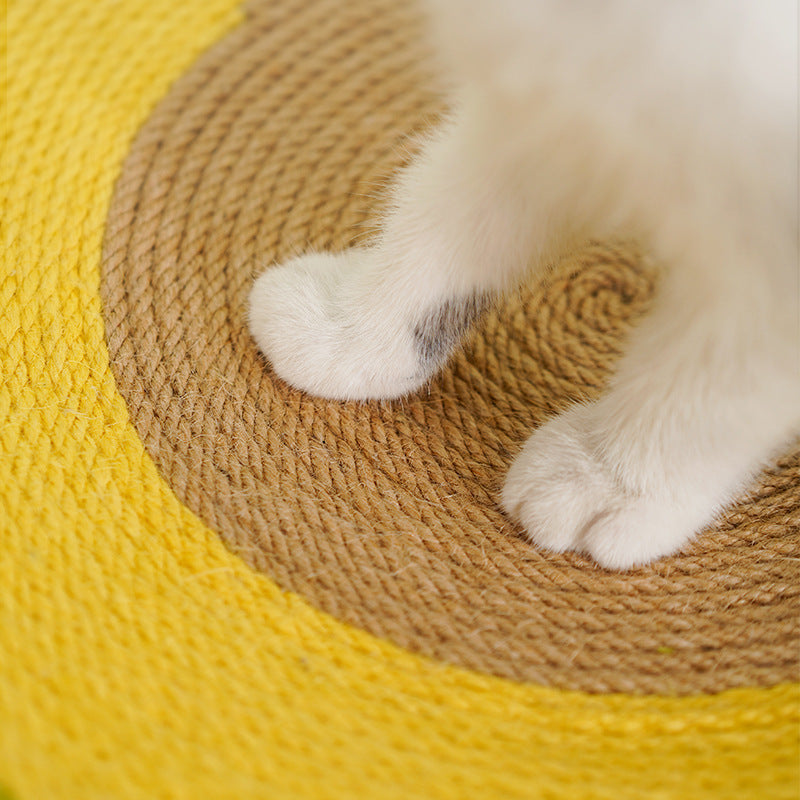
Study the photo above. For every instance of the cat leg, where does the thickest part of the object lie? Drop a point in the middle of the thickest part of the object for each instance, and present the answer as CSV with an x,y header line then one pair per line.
x,y
707,391
378,322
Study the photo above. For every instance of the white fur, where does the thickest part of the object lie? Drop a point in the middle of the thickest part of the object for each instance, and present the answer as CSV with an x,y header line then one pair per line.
x,y
675,122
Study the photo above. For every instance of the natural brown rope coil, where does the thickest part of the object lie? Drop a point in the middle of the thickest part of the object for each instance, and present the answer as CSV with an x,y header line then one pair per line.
x,y
280,139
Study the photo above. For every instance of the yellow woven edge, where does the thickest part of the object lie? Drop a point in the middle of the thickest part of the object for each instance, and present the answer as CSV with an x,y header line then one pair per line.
x,y
139,658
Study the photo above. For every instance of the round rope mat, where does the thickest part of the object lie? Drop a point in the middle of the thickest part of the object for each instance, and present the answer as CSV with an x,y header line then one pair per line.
x,y
385,515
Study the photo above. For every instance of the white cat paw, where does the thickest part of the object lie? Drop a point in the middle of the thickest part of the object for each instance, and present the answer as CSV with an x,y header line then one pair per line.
x,y
567,499
319,329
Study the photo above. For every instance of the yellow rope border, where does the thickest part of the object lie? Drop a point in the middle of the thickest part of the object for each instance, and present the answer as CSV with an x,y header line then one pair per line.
x,y
139,658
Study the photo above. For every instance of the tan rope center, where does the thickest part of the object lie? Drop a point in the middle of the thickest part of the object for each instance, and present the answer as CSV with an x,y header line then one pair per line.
x,y
385,515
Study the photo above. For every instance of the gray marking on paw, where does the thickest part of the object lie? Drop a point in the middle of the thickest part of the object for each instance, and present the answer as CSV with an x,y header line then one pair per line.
x,y
438,333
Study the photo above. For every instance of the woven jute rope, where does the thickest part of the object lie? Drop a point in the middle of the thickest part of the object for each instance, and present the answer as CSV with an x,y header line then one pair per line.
x,y
279,140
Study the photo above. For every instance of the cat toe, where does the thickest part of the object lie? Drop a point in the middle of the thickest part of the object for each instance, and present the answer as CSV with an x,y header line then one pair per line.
x,y
643,530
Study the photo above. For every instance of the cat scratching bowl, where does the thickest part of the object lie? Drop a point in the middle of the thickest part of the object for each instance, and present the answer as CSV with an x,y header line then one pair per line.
x,y
216,586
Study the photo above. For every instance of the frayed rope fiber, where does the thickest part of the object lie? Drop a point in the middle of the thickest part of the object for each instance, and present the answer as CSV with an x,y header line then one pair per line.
x,y
142,656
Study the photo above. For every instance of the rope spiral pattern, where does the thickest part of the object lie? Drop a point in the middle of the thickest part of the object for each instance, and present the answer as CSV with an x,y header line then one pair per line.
x,y
385,515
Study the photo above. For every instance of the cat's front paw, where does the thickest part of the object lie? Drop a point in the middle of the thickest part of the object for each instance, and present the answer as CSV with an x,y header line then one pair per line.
x,y
322,331
565,498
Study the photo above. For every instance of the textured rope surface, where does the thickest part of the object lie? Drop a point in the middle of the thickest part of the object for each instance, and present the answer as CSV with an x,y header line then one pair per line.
x,y
140,659
385,515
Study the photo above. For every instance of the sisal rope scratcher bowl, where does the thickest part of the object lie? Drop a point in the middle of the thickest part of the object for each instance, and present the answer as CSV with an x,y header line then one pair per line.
x,y
215,586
